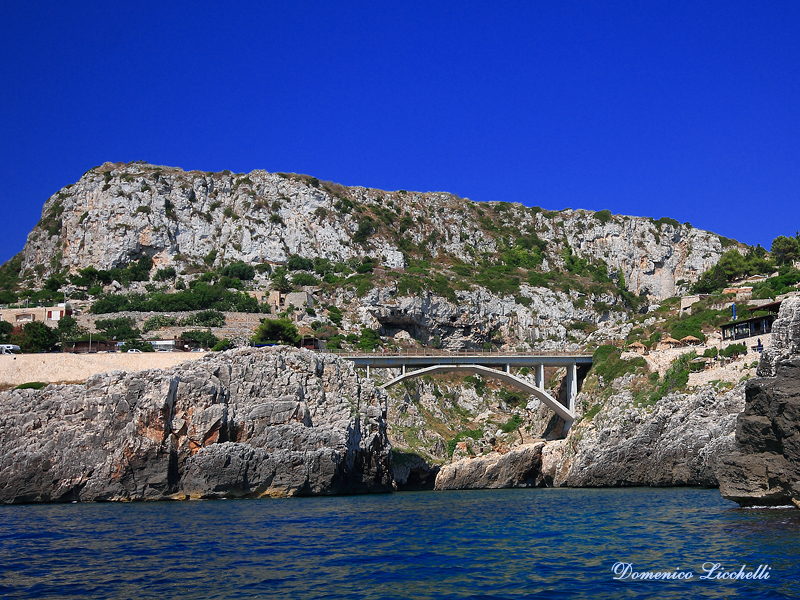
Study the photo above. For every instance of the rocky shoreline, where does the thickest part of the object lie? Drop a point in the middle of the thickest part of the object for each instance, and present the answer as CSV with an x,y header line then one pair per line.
x,y
246,423
287,422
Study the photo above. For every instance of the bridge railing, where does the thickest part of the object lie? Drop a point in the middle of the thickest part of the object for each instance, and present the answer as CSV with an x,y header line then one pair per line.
x,y
440,352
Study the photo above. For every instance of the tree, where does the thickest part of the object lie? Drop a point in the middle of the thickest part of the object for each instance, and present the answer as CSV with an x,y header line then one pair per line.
x,y
5,331
239,270
785,250
732,264
121,328
138,345
205,339
277,331
68,328
298,263
281,283
34,337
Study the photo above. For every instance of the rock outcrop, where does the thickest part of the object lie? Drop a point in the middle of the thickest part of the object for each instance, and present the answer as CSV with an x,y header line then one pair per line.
x,y
519,468
785,338
681,441
765,468
247,423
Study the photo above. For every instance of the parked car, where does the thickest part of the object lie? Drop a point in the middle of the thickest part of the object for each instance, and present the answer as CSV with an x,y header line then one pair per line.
x,y
134,351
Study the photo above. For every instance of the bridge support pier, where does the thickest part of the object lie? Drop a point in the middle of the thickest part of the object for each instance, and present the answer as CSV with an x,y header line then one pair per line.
x,y
508,368
572,386
540,376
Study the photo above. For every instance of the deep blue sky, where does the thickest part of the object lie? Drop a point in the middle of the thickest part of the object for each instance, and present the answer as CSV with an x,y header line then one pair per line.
x,y
681,109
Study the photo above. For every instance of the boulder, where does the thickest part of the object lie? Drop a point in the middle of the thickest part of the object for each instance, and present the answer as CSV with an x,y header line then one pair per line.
x,y
519,468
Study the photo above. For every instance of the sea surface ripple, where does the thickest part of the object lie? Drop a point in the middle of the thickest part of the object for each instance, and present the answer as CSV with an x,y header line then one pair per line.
x,y
493,544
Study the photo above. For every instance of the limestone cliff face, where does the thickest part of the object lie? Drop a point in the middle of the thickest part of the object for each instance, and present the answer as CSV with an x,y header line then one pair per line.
x,y
116,213
248,423
764,469
476,315
682,440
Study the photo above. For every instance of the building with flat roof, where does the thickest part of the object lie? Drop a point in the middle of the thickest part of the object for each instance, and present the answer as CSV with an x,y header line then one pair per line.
x,y
758,325
20,316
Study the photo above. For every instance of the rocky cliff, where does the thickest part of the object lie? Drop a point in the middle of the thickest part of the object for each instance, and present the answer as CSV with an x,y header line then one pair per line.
x,y
247,423
681,440
117,213
765,467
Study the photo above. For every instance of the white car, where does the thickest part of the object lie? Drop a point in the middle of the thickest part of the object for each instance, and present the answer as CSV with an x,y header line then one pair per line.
x,y
134,351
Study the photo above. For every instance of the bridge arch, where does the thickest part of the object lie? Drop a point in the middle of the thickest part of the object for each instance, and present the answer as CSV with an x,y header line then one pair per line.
x,y
561,410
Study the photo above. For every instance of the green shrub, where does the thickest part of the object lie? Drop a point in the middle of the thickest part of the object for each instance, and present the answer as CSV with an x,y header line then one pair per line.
x,y
604,216
476,382
539,279
277,331
607,363
205,318
369,340
734,350
298,263
513,398
165,273
475,434
32,385
366,227
239,270
513,423
159,322
222,345
665,221
676,377
300,279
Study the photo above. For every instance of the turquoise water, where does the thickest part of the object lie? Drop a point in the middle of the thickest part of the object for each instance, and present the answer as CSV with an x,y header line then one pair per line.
x,y
540,543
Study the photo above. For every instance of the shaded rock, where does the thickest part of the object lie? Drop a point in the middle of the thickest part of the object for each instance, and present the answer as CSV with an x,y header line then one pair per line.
x,y
765,468
519,468
412,472
249,422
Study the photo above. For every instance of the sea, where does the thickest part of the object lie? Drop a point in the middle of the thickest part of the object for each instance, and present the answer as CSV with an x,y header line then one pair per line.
x,y
493,544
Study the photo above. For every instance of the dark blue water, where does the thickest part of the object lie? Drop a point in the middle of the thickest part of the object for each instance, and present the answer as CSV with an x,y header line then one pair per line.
x,y
478,544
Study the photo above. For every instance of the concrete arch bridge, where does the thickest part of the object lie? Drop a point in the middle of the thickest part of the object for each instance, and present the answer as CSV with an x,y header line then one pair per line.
x,y
493,365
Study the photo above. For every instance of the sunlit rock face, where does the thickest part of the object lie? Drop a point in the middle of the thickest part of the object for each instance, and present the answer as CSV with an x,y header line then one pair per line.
x,y
246,423
117,213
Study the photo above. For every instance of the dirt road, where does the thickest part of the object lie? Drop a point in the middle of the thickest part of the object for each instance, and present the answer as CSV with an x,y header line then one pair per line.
x,y
72,368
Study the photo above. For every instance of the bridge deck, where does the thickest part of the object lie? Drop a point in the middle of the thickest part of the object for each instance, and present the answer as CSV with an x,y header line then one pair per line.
x,y
378,360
